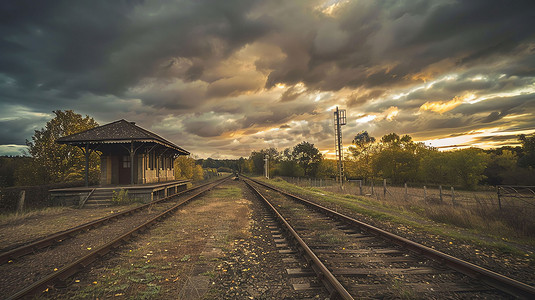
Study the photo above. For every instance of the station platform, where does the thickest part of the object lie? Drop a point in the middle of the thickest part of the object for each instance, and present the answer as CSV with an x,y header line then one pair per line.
x,y
102,195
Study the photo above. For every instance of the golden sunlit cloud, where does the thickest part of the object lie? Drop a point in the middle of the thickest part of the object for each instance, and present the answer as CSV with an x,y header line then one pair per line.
x,y
470,139
443,106
391,113
330,8
366,119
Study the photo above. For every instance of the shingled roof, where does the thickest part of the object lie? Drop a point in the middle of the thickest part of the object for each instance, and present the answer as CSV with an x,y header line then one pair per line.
x,y
120,131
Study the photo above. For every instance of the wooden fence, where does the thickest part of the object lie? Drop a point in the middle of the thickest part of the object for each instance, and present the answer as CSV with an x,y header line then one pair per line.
x,y
496,197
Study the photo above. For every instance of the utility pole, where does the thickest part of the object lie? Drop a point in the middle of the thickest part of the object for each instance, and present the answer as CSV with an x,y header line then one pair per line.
x,y
339,121
266,166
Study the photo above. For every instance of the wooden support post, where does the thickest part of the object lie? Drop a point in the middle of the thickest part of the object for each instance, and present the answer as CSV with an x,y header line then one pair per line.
x,y
425,193
440,193
132,163
86,177
499,197
20,206
384,188
452,196
406,192
360,187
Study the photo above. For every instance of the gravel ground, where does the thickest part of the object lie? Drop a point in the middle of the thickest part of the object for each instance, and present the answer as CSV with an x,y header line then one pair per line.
x,y
26,229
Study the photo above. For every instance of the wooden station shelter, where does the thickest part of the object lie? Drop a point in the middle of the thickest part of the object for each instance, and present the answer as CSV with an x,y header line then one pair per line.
x,y
130,156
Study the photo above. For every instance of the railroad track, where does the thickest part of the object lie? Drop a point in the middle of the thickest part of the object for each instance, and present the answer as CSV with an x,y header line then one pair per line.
x,y
13,252
354,259
76,248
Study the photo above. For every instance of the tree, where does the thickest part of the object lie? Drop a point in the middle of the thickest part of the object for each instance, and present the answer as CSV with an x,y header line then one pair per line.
x,y
500,166
328,168
528,149
198,173
243,167
308,157
397,164
289,168
257,158
52,162
8,167
361,152
184,166
467,166
434,167
397,158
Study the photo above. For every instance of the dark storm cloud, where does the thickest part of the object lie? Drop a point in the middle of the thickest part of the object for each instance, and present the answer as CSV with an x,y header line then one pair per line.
x,y
104,47
518,105
15,131
385,41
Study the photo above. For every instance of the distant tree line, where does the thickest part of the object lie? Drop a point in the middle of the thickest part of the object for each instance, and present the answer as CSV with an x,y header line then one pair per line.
x,y
401,160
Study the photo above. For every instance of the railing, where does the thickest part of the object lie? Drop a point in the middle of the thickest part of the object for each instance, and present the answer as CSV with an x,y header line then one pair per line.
x,y
83,201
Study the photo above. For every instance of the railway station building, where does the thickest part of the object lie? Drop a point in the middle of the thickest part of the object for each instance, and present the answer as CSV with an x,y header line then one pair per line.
x,y
131,158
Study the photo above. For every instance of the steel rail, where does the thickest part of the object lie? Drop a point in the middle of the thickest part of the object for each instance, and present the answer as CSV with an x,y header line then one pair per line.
x,y
61,235
65,272
335,288
498,281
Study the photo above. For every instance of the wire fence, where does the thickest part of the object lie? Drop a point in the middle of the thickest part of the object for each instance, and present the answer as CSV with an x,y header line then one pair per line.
x,y
500,197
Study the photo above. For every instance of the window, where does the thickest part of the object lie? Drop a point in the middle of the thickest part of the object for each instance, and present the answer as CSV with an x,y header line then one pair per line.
x,y
126,162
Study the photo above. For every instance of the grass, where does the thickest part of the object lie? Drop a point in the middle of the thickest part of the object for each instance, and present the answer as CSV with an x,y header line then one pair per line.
x,y
137,276
227,192
486,227
10,218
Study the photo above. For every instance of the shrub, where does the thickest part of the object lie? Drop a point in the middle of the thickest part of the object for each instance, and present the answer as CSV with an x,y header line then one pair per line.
x,y
121,198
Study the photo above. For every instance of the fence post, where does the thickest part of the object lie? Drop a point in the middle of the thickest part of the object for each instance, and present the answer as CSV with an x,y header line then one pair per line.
x,y
452,196
384,188
360,187
373,192
20,205
406,192
440,192
499,197
425,193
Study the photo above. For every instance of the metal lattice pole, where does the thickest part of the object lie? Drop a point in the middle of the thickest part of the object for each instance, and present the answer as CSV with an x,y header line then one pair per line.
x,y
339,121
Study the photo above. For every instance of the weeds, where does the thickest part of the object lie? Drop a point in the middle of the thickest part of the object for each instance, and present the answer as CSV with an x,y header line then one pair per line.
x,y
11,218
122,198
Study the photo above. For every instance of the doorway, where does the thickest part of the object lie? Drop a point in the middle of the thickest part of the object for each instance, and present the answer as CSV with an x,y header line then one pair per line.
x,y
125,165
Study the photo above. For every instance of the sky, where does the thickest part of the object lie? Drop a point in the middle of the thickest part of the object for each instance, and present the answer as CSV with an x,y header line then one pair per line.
x,y
224,78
